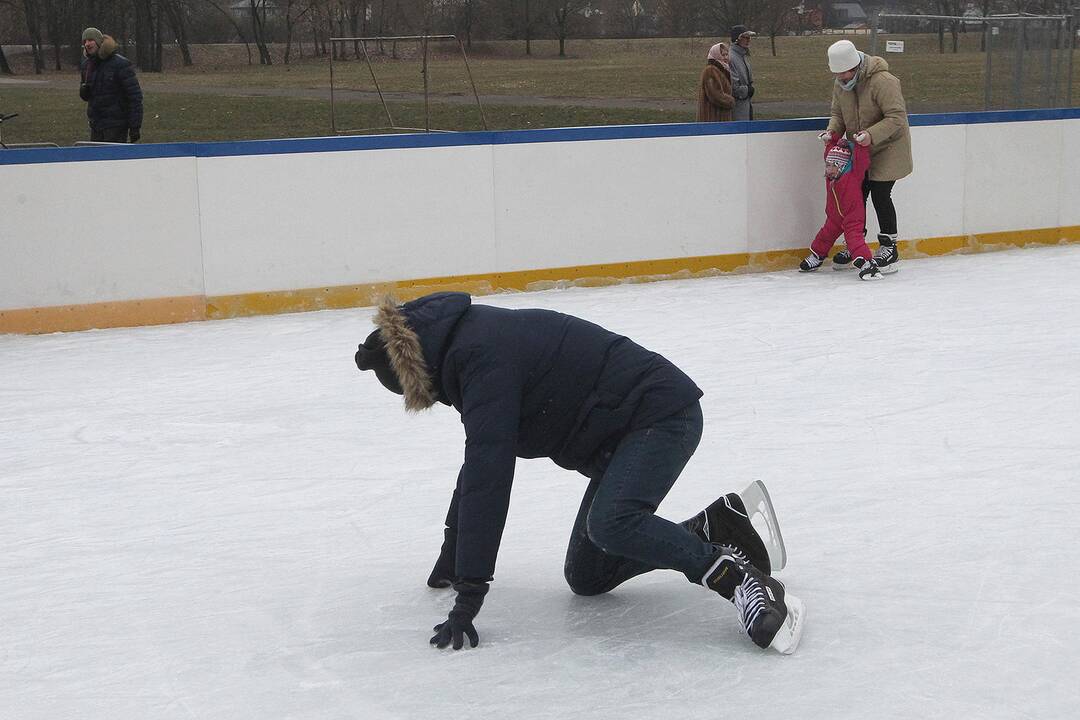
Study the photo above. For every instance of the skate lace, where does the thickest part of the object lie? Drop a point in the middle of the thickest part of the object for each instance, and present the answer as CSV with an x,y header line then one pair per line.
x,y
737,553
749,601
813,260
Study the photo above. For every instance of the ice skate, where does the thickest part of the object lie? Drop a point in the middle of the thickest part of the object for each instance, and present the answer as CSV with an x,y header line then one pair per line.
x,y
812,262
730,521
868,269
887,257
841,260
771,617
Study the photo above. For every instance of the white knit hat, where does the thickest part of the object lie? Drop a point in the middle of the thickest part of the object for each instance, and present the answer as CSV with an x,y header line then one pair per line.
x,y
843,56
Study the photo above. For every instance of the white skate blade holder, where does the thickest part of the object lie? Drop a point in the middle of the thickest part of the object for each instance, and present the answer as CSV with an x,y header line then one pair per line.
x,y
762,516
787,637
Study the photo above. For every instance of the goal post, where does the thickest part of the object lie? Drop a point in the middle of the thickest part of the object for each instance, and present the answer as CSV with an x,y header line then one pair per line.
x,y
424,42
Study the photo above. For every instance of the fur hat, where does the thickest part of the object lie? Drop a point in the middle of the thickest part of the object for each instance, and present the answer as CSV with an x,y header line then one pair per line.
x,y
843,56
92,33
738,31
372,355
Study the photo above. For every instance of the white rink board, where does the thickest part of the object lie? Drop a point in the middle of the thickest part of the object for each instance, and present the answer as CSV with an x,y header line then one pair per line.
x,y
292,221
587,203
86,232
1012,174
249,220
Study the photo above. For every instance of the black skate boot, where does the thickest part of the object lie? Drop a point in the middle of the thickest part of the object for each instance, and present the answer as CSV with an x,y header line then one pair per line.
x,y
887,257
841,260
868,269
812,262
727,523
771,617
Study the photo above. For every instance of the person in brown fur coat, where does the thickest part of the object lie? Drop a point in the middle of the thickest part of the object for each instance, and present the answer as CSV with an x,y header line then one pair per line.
x,y
715,101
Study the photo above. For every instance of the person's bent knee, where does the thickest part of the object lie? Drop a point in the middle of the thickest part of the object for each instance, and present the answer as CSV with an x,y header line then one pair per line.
x,y
611,532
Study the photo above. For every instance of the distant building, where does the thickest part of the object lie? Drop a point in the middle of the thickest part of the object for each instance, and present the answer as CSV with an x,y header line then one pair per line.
x,y
848,15
265,8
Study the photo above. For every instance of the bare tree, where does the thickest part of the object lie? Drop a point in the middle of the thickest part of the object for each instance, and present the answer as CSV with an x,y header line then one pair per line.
x,y
295,10
176,16
775,17
257,10
33,26
235,24
564,14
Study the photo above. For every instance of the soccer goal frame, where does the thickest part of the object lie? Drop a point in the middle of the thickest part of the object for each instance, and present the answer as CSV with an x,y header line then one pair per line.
x,y
424,40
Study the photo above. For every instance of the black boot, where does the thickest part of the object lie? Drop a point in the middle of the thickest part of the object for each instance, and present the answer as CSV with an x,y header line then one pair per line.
x,y
771,617
887,257
726,522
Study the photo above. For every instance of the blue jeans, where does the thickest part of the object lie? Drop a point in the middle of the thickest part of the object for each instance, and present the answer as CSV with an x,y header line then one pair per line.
x,y
617,535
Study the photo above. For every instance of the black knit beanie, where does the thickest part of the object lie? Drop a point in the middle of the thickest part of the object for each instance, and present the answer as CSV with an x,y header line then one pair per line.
x,y
372,356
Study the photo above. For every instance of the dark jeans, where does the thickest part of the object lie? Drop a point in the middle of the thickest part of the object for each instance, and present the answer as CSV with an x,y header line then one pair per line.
x,y
881,191
617,535
112,135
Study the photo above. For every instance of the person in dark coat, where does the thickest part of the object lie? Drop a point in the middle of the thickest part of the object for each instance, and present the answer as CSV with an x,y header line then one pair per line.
x,y
111,90
537,383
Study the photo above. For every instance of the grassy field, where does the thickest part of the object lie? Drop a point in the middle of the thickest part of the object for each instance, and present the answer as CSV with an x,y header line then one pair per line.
x,y
207,101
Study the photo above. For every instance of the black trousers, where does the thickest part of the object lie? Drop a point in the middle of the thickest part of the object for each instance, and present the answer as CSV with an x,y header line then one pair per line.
x,y
112,135
881,192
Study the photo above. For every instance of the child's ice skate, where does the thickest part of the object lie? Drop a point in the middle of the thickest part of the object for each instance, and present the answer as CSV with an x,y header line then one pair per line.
x,y
811,263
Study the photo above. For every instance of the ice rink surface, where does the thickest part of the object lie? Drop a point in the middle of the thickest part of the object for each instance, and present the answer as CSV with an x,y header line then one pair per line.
x,y
227,520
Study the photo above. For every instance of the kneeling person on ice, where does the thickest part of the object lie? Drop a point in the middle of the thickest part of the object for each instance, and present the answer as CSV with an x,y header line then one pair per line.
x,y
846,164
536,383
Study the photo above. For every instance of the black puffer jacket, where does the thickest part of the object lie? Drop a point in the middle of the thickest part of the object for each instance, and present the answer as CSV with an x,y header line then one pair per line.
x,y
111,89
528,383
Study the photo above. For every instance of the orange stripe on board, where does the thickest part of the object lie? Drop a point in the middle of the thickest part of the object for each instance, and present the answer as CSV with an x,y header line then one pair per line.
x,y
185,309
127,313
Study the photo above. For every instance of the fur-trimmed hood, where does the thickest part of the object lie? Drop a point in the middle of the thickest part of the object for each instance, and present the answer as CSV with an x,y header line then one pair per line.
x,y
107,48
416,335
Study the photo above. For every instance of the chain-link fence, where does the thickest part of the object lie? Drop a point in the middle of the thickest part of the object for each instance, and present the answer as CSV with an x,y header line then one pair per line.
x,y
997,62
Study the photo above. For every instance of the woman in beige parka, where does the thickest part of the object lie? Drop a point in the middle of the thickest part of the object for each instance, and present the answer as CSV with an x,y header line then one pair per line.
x,y
868,107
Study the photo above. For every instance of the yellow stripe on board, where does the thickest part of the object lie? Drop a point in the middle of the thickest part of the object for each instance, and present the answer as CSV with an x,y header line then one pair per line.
x,y
126,313
185,309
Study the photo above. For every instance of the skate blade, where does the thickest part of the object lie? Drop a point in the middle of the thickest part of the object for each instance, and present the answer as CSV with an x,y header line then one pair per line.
x,y
843,266
890,269
879,276
759,509
790,633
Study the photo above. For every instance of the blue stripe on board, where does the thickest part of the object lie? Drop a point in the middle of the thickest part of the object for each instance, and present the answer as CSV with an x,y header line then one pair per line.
x,y
90,153
498,137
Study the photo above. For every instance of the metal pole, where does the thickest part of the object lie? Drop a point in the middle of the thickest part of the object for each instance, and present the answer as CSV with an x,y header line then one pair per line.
x,y
483,118
1048,67
1018,68
423,71
333,112
1072,51
873,33
374,79
988,80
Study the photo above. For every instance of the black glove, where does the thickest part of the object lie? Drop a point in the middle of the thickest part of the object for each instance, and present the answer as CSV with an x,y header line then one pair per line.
x,y
442,575
134,134
459,624
749,91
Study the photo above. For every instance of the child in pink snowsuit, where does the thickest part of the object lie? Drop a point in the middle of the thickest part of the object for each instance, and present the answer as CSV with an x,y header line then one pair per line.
x,y
846,164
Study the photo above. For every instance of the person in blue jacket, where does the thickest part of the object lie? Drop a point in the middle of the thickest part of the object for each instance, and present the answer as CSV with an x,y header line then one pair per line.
x,y
537,383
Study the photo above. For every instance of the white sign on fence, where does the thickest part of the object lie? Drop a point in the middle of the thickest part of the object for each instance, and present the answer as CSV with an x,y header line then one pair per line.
x,y
894,46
